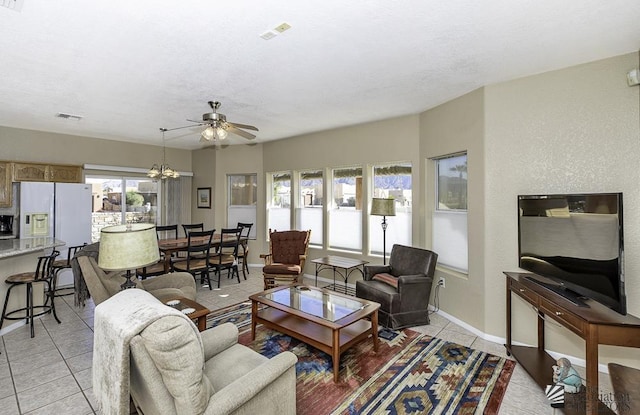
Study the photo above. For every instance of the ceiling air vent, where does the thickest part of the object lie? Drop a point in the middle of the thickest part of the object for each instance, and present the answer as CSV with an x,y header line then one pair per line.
x,y
15,5
68,116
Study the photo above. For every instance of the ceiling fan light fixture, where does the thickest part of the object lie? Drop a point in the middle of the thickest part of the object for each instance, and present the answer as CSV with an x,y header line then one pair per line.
x,y
212,133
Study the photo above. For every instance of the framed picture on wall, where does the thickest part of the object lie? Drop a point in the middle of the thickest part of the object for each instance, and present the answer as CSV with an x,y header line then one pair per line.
x,y
204,197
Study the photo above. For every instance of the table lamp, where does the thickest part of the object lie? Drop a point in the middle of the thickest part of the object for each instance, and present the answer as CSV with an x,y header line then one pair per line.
x,y
127,247
383,207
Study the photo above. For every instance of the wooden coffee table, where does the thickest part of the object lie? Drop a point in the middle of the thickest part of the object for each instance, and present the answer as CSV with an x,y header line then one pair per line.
x,y
324,319
200,315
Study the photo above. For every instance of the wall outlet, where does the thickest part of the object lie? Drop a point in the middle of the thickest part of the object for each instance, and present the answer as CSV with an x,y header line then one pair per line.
x,y
441,282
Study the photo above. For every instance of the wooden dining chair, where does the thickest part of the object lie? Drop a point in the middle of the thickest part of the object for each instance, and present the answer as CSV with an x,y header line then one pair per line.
x,y
198,253
243,253
226,257
167,231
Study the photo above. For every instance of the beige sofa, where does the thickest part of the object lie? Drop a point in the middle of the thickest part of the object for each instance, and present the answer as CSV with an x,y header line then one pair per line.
x,y
174,369
103,285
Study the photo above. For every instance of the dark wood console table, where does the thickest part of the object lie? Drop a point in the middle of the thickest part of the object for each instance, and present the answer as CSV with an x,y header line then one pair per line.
x,y
596,324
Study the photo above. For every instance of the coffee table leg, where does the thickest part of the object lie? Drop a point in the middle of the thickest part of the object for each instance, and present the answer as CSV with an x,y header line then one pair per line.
x,y
374,330
254,313
336,355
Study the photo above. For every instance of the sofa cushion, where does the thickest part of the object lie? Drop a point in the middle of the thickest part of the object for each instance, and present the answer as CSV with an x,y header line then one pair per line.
x,y
231,364
387,279
177,352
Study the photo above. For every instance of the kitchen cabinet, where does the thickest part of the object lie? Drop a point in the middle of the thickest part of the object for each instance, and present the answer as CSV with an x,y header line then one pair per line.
x,y
5,184
39,172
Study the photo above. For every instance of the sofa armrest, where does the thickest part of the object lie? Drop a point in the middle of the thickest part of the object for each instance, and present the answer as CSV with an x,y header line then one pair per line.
x,y
371,270
243,389
218,338
172,279
415,291
414,279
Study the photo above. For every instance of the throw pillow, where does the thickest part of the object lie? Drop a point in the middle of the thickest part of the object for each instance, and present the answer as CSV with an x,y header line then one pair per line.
x,y
387,279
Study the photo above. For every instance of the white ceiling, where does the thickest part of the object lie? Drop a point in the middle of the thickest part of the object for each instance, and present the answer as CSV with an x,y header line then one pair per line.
x,y
130,67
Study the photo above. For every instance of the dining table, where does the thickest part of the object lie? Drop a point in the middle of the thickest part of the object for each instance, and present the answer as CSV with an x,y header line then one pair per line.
x,y
170,246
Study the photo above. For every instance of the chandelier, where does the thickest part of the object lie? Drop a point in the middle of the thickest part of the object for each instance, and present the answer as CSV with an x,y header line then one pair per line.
x,y
163,171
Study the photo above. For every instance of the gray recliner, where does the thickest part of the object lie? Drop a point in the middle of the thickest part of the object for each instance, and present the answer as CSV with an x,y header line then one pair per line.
x,y
402,288
154,353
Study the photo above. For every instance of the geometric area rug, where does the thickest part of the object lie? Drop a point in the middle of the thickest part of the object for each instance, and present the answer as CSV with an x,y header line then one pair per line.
x,y
411,373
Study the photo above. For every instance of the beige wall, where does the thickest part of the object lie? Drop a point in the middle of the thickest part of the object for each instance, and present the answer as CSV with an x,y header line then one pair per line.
x,y
456,126
39,146
572,130
366,144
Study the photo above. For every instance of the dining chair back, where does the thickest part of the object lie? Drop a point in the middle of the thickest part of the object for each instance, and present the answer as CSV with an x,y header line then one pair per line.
x,y
198,252
167,231
243,253
226,257
192,227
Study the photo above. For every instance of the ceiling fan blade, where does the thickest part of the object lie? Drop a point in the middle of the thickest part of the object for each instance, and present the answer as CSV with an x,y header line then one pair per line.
x,y
245,126
197,122
232,129
179,128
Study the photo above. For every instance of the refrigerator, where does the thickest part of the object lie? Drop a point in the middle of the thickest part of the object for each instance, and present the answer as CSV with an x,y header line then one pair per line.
x,y
58,210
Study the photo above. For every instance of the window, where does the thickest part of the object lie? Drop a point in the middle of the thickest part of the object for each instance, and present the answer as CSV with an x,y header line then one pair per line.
x,y
140,198
243,194
392,181
279,215
450,239
309,212
345,230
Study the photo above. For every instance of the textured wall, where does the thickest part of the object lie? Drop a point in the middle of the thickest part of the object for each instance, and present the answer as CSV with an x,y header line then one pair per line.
x,y
572,130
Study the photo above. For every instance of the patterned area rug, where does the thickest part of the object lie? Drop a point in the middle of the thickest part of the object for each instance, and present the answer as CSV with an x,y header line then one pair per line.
x,y
410,374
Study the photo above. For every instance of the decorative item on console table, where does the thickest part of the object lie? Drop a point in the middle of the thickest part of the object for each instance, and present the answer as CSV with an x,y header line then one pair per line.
x,y
596,324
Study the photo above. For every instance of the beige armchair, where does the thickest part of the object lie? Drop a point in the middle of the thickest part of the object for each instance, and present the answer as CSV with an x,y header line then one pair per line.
x,y
102,285
174,369
285,261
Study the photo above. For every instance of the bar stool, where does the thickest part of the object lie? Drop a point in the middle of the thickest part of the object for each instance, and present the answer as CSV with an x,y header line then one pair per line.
x,y
61,264
43,273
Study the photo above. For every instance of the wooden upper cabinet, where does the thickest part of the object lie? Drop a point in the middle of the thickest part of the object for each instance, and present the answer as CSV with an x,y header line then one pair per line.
x,y
36,172
5,184
29,172
64,174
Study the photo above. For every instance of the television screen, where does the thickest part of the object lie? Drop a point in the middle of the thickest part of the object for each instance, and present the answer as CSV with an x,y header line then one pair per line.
x,y
577,241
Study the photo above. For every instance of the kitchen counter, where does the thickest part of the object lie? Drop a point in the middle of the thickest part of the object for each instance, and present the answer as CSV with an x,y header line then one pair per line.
x,y
13,247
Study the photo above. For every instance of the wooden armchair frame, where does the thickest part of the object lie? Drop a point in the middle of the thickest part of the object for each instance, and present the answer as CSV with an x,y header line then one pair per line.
x,y
284,264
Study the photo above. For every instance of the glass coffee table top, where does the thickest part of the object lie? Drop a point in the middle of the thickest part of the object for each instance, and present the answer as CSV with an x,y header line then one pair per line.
x,y
323,304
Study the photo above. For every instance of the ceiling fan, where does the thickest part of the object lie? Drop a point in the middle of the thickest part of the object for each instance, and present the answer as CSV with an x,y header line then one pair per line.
x,y
217,126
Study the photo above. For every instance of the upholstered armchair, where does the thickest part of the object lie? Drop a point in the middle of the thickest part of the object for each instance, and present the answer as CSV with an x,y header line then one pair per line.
x,y
93,281
284,263
157,356
402,288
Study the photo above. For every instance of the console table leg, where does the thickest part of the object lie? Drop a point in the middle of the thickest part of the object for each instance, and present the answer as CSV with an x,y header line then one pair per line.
x,y
591,358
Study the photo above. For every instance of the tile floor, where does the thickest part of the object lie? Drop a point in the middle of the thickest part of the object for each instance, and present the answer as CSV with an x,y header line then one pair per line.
x,y
51,373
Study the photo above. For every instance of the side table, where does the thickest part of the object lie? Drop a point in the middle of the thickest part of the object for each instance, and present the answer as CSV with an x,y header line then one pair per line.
x,y
341,266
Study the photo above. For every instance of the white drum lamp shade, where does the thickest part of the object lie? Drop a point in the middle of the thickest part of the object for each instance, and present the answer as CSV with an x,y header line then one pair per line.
x,y
127,247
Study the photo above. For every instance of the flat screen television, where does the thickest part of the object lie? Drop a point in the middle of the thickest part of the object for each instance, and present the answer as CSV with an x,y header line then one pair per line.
x,y
576,240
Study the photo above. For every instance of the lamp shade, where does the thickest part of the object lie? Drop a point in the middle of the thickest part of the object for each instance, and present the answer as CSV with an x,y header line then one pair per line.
x,y
383,207
125,247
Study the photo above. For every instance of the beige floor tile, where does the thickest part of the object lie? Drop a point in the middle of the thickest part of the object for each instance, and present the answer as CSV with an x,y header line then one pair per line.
x,y
71,405
9,406
80,362
6,387
35,361
47,393
46,374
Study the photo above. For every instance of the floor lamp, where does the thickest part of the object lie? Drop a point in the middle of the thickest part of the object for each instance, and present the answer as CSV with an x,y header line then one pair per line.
x,y
127,247
383,207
